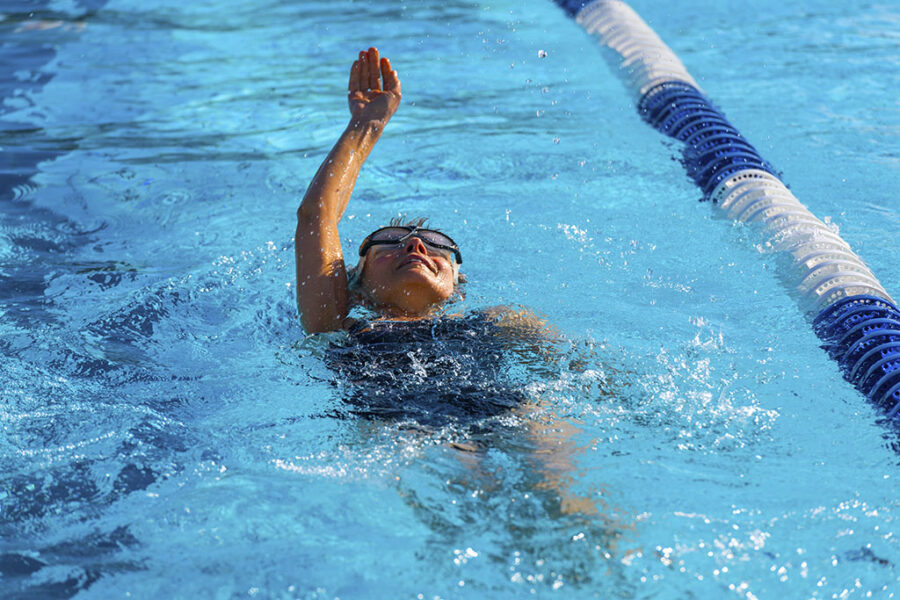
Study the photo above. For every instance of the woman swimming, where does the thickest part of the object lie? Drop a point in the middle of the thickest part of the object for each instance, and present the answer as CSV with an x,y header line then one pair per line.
x,y
411,363
405,272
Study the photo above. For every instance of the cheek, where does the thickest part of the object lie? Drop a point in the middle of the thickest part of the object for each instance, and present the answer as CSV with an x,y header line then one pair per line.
x,y
378,268
447,276
382,256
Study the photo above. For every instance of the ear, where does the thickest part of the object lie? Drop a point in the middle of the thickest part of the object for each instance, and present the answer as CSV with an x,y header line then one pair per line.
x,y
458,294
359,298
353,277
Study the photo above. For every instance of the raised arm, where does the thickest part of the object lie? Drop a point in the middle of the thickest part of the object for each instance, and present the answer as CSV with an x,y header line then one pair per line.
x,y
322,296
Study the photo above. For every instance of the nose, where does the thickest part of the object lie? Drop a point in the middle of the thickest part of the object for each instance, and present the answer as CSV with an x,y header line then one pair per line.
x,y
415,244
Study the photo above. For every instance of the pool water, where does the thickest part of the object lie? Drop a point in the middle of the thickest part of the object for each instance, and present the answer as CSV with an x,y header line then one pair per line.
x,y
168,430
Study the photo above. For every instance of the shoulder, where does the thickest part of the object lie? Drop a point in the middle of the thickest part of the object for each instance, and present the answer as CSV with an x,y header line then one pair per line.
x,y
521,320
352,324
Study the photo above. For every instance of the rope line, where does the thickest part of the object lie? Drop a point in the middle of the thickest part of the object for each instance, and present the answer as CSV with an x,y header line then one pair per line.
x,y
855,317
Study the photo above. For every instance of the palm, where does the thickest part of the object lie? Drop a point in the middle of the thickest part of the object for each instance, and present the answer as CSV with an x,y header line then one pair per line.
x,y
373,105
369,99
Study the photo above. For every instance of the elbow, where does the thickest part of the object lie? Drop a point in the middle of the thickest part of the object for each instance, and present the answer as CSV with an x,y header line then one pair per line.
x,y
312,325
309,226
319,316
307,215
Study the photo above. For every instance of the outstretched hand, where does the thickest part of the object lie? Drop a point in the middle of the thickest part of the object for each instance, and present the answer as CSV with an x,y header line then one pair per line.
x,y
370,100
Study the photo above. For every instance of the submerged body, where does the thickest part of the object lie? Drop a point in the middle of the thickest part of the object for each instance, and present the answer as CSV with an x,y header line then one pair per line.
x,y
434,372
410,362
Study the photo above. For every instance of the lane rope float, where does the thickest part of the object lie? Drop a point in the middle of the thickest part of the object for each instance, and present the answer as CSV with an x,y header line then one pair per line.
x,y
854,315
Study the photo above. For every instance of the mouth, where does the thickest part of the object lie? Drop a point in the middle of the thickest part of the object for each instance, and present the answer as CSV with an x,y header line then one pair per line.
x,y
417,259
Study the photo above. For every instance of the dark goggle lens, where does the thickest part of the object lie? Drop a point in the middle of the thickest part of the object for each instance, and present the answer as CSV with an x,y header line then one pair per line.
x,y
435,238
389,234
393,235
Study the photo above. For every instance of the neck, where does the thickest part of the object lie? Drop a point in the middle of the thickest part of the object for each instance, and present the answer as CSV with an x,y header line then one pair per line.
x,y
407,313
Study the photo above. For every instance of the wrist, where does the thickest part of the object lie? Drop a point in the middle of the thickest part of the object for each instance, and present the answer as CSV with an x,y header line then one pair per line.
x,y
366,128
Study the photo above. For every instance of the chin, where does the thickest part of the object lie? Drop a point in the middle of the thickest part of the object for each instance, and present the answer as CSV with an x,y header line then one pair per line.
x,y
429,297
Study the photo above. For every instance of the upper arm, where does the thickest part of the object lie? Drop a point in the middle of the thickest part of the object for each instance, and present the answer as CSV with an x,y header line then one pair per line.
x,y
533,338
522,322
322,295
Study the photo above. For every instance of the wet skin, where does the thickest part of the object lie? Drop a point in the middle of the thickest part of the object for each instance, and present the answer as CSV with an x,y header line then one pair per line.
x,y
323,299
407,279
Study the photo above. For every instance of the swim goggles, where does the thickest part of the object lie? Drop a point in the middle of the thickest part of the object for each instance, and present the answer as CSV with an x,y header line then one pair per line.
x,y
397,234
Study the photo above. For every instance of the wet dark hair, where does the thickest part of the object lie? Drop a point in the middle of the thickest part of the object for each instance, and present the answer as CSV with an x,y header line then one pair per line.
x,y
417,222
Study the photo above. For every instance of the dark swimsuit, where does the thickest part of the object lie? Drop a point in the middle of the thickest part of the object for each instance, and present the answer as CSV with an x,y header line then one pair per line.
x,y
432,372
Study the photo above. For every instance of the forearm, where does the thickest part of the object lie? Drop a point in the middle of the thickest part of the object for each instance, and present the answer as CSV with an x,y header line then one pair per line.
x,y
554,461
329,192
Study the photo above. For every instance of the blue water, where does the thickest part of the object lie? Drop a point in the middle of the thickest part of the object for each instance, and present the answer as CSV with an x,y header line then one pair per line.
x,y
165,422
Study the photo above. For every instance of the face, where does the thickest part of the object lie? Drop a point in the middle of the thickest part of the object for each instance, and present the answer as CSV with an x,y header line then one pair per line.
x,y
409,277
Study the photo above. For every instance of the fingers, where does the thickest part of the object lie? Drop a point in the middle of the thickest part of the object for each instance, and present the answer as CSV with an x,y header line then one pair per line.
x,y
391,80
369,70
372,63
355,75
363,71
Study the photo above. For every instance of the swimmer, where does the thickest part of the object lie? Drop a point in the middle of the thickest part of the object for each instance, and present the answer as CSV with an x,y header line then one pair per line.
x,y
412,363
405,272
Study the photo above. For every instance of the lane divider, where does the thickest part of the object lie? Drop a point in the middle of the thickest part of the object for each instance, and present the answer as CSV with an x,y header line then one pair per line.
x,y
854,315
